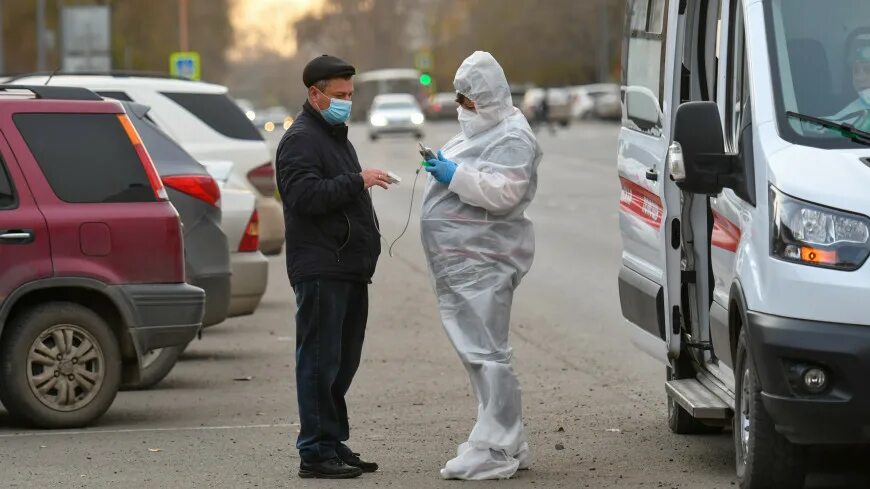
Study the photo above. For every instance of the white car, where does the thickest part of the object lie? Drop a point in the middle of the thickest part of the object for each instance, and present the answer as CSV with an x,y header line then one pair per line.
x,y
240,223
558,99
207,123
598,100
395,113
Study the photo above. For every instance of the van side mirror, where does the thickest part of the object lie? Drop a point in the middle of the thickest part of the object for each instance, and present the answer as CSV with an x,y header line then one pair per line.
x,y
706,167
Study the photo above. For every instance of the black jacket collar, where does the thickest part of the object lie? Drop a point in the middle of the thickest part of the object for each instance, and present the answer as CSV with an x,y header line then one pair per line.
x,y
339,132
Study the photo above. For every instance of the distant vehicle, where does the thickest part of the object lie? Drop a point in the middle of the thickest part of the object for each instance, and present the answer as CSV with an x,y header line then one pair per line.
x,y
596,101
518,93
442,106
272,118
196,196
395,114
370,84
240,222
559,100
207,123
247,107
91,256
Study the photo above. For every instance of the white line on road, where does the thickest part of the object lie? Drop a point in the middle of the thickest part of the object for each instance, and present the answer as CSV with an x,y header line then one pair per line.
x,y
147,430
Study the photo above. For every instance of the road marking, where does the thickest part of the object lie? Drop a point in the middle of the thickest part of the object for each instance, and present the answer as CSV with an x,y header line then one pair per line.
x,y
146,430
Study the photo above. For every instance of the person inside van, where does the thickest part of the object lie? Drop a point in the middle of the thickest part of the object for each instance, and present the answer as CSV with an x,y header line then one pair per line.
x,y
857,113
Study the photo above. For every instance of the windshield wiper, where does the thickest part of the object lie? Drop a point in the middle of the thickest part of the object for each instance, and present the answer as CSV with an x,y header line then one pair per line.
x,y
844,129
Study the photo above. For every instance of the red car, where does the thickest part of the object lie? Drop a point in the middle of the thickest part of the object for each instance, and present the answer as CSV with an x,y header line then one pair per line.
x,y
91,256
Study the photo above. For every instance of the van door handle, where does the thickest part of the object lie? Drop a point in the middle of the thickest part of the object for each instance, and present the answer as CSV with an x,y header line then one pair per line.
x,y
652,174
16,236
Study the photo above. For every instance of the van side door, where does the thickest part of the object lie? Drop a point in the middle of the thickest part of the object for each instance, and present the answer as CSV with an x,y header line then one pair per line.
x,y
649,209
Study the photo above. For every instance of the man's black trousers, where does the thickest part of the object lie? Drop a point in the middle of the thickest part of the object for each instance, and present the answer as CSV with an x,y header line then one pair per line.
x,y
330,326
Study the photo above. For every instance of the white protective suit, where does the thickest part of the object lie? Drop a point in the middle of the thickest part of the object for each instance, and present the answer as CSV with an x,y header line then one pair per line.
x,y
479,244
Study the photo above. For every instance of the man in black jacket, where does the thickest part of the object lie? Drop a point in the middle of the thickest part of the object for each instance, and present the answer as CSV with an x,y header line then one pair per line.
x,y
333,245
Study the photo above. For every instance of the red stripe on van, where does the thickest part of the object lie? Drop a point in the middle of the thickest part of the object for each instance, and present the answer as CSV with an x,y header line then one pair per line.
x,y
641,203
726,234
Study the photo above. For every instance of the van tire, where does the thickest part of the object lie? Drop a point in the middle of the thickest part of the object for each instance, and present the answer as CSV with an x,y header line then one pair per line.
x,y
769,459
156,370
25,331
680,421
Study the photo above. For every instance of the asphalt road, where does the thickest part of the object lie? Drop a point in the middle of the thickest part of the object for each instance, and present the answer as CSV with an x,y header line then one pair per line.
x,y
594,406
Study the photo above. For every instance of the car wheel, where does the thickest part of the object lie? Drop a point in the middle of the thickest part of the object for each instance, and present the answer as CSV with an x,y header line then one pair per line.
x,y
373,137
156,365
681,421
765,458
60,366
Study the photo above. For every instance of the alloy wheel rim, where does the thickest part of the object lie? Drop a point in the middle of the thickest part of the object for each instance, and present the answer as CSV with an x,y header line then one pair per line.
x,y
65,367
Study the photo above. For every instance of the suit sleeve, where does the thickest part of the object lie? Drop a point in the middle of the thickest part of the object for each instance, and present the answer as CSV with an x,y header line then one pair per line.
x,y
500,180
304,188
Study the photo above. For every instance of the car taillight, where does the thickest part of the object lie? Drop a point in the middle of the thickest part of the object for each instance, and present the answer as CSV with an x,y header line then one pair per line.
x,y
202,187
145,158
251,239
263,179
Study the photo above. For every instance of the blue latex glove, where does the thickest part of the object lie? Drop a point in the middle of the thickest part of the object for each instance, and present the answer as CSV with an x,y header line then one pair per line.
x,y
442,169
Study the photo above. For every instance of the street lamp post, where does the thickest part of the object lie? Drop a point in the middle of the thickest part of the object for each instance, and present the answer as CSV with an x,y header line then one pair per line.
x,y
2,64
40,35
182,25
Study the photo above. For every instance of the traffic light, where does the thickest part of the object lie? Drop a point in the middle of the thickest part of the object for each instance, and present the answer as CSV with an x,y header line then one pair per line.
x,y
425,79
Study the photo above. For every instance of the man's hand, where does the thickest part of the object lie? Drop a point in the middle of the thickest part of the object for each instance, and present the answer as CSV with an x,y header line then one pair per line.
x,y
372,177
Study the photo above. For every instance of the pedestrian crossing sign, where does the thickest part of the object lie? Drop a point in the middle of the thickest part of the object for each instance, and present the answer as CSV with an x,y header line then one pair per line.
x,y
185,64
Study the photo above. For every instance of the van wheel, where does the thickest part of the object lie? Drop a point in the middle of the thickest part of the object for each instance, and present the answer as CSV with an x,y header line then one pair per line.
x,y
765,458
60,366
679,420
156,365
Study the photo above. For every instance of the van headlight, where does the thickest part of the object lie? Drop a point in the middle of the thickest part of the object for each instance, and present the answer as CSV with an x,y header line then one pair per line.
x,y
418,119
378,120
810,234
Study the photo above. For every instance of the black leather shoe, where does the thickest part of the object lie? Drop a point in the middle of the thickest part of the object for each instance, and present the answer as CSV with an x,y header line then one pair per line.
x,y
331,469
352,459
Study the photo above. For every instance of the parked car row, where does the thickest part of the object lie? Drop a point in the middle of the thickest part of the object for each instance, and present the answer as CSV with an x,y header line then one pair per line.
x,y
595,101
118,243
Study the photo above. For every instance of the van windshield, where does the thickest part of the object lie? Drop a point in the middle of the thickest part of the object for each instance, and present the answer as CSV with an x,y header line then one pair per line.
x,y
820,54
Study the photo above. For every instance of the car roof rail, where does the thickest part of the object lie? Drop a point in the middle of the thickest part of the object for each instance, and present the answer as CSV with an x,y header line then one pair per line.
x,y
48,92
112,73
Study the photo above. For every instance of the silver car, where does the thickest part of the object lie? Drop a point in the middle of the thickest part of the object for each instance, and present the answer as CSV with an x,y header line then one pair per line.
x,y
397,113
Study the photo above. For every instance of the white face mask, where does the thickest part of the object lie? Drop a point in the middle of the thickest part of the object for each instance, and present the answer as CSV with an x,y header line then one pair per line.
x,y
467,119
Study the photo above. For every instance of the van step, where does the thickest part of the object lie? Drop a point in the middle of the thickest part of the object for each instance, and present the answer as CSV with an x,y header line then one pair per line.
x,y
697,399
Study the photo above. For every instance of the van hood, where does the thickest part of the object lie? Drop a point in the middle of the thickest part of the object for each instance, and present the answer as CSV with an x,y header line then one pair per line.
x,y
834,178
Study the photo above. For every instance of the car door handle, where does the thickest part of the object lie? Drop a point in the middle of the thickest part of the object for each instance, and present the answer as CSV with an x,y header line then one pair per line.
x,y
652,174
16,236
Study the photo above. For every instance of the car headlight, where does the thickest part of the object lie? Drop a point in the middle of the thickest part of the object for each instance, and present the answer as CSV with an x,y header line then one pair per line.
x,y
810,234
418,119
378,120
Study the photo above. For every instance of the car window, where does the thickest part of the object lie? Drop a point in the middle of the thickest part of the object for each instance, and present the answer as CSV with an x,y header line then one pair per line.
x,y
86,158
160,146
219,112
644,59
115,95
7,191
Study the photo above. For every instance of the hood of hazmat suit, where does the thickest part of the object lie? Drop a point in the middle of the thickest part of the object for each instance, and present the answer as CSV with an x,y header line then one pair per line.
x,y
479,244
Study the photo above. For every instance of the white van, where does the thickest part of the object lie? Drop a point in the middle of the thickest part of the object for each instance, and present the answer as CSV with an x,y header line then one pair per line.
x,y
203,119
745,173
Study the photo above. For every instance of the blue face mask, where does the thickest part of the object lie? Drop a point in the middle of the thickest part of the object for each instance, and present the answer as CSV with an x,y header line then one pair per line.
x,y
338,111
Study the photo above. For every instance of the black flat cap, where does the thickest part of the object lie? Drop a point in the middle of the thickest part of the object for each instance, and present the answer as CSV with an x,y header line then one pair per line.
x,y
326,67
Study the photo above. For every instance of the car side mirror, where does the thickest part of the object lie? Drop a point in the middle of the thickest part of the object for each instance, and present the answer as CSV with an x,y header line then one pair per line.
x,y
698,162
